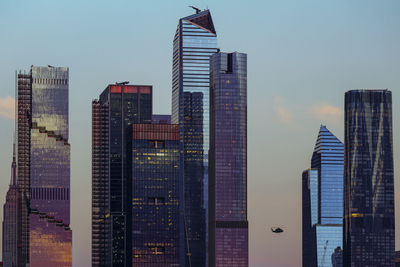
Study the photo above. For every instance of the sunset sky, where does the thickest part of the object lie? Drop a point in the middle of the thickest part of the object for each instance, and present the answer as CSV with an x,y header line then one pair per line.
x,y
302,57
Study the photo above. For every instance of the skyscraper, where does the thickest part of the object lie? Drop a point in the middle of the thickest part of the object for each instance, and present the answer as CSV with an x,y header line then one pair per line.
x,y
228,229
10,219
43,168
118,107
368,236
154,156
194,42
322,190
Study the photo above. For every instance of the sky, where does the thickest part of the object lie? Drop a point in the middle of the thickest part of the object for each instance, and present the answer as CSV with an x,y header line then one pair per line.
x,y
302,57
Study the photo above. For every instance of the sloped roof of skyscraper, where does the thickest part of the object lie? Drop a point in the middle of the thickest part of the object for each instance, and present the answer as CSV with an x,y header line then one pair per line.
x,y
202,19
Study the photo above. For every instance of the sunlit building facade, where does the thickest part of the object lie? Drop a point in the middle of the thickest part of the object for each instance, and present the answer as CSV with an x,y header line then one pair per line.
x,y
228,226
154,158
322,194
119,106
194,42
43,169
368,236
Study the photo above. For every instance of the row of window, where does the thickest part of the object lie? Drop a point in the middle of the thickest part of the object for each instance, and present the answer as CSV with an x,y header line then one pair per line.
x,y
41,193
50,81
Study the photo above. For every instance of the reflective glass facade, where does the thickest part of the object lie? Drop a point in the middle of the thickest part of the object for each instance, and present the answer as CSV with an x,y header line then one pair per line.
x,y
50,236
228,228
368,179
329,237
119,106
194,42
156,217
323,200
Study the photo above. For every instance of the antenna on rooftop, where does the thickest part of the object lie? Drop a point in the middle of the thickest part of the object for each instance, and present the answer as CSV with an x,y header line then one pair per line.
x,y
122,83
197,9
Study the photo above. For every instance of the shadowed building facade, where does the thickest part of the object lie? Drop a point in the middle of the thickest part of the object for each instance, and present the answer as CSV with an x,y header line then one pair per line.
x,y
228,226
322,194
118,107
368,236
154,158
43,168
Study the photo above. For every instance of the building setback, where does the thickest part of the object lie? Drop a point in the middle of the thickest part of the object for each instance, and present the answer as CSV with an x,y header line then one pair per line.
x,y
368,236
322,205
154,156
228,228
43,168
118,107
194,42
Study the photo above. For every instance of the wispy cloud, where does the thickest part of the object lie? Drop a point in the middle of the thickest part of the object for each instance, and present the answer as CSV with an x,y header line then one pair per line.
x,y
284,113
7,107
326,112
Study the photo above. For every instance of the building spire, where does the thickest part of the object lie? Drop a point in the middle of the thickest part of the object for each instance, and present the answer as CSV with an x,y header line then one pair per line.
x,y
13,181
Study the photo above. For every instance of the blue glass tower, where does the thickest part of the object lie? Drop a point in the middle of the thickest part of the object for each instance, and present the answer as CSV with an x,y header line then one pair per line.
x,y
194,42
323,201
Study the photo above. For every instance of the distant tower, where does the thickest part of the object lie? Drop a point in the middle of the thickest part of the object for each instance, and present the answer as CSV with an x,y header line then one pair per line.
x,y
119,106
368,236
228,225
194,42
322,194
10,219
337,258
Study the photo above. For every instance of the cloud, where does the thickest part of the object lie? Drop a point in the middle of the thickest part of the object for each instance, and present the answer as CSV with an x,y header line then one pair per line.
x,y
285,115
326,112
7,107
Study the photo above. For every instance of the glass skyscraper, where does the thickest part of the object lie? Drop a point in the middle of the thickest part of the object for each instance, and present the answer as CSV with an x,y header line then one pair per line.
x,y
194,42
368,236
228,225
322,189
154,158
118,107
43,169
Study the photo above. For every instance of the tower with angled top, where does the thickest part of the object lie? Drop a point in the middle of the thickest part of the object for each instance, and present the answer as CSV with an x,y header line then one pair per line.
x,y
322,189
194,42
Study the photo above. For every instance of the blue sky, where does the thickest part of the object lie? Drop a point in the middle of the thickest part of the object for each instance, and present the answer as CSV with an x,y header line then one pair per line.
x,y
302,57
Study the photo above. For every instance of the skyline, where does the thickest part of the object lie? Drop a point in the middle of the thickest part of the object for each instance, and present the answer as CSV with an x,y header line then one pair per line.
x,y
282,105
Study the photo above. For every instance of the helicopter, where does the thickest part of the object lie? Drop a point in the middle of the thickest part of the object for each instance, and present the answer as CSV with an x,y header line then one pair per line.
x,y
276,230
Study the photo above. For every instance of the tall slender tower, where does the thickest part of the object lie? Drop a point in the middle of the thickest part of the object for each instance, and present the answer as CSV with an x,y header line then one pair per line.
x,y
323,201
10,219
228,238
119,106
368,236
43,168
194,42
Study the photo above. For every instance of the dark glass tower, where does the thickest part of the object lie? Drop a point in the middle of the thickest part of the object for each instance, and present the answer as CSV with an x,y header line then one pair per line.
x,y
10,219
154,157
368,236
43,168
228,228
119,106
194,42
323,201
